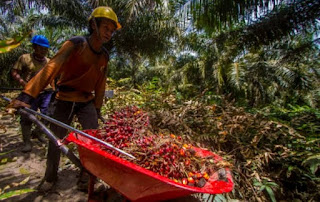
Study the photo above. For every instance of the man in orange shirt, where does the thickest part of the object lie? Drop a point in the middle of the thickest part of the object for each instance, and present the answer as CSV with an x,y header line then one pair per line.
x,y
80,65
27,66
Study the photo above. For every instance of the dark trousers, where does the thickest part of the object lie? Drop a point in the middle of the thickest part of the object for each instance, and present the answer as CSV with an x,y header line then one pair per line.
x,y
42,103
64,111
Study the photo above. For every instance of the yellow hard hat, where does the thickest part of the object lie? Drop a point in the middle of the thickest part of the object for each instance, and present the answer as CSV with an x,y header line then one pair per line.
x,y
105,12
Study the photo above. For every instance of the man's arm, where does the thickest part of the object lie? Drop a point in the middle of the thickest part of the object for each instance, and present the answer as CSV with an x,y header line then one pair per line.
x,y
17,77
99,95
15,73
43,78
99,91
49,72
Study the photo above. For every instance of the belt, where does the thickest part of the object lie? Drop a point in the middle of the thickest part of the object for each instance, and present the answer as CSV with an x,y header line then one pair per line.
x,y
65,88
71,89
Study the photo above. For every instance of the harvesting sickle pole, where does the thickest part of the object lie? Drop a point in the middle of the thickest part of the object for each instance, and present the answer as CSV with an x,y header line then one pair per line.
x,y
9,88
63,125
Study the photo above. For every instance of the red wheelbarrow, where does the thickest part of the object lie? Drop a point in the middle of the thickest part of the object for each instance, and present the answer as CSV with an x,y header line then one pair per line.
x,y
137,183
134,182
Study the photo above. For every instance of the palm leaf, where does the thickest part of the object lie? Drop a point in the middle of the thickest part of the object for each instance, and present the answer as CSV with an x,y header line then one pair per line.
x,y
9,44
313,162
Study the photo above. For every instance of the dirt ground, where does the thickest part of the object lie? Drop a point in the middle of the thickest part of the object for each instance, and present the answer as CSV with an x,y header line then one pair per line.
x,y
16,167
20,171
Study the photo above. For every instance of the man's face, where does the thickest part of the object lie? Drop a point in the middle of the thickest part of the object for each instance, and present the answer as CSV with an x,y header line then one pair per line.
x,y
40,51
106,29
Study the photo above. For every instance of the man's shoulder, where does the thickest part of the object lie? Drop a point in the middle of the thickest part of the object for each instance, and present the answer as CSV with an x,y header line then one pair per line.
x,y
25,58
77,39
24,61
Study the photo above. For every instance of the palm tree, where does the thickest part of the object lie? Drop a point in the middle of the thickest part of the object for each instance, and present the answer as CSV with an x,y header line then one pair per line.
x,y
147,25
221,36
237,55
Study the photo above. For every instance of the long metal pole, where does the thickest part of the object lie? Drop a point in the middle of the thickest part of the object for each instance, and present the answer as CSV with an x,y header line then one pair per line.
x,y
52,137
63,125
9,88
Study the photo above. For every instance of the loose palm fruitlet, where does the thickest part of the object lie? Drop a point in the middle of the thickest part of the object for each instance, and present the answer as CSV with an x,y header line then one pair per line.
x,y
166,154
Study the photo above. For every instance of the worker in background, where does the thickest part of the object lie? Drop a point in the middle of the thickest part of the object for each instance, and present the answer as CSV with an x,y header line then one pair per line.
x,y
27,66
80,65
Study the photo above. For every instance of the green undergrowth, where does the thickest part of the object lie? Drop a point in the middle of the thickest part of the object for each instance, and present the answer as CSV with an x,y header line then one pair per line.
x,y
275,153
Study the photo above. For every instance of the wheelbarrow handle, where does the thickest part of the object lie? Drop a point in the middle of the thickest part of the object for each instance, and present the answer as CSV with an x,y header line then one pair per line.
x,y
63,125
9,88
52,137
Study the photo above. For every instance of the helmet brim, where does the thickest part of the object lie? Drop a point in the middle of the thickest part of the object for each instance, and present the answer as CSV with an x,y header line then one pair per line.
x,y
118,25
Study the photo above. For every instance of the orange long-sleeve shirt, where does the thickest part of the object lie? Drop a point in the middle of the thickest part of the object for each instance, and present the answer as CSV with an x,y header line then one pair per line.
x,y
78,68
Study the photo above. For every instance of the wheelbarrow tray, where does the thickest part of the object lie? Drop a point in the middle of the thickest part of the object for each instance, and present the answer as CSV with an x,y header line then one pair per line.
x,y
137,183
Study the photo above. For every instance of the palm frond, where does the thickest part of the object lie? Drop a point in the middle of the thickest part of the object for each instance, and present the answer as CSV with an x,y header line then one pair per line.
x,y
219,15
296,17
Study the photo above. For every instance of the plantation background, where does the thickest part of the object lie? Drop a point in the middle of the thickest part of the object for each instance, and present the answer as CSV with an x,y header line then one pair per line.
x,y
239,77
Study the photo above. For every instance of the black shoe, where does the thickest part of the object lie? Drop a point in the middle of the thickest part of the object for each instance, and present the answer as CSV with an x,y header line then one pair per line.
x,y
82,186
46,186
41,138
27,147
83,181
37,134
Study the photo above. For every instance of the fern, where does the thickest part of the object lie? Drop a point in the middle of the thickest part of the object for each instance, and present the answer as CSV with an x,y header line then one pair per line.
x,y
267,186
313,162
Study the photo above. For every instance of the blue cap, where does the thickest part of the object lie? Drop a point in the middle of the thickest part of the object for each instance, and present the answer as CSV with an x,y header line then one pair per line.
x,y
40,40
